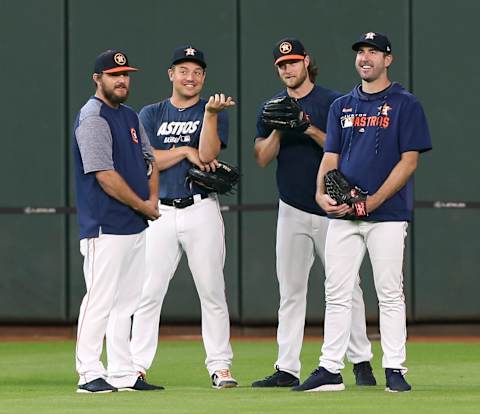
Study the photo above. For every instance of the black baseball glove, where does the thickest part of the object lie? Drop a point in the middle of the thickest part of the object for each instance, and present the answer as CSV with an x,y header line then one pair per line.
x,y
284,113
339,188
221,181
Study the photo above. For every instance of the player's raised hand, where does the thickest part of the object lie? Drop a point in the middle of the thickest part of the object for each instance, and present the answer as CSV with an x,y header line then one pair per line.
x,y
219,102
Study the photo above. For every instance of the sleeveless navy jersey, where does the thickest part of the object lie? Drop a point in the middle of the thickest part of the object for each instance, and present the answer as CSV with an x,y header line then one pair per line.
x,y
97,212
370,132
300,156
168,127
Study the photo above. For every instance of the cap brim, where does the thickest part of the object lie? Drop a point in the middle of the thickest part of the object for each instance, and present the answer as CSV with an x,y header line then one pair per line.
x,y
121,69
198,61
289,57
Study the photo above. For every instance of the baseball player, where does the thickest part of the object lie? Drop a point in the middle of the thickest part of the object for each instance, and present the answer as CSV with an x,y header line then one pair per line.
x,y
375,135
186,130
115,198
302,225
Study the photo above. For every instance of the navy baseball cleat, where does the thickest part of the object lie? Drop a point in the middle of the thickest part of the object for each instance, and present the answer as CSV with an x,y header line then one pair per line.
x,y
142,385
396,381
278,379
364,374
321,380
98,386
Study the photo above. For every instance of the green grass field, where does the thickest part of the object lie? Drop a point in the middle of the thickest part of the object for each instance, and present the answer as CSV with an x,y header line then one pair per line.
x,y
40,378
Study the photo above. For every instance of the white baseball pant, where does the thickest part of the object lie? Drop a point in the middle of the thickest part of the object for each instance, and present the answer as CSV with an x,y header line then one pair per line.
x,y
114,270
299,236
347,242
199,231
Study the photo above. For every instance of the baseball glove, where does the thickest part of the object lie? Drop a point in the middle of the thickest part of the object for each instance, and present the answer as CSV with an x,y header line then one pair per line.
x,y
284,113
343,192
221,181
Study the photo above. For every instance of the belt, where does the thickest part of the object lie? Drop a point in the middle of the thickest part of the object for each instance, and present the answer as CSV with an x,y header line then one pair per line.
x,y
183,202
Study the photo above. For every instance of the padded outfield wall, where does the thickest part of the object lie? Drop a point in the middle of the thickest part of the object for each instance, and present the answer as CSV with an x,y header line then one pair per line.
x,y
47,51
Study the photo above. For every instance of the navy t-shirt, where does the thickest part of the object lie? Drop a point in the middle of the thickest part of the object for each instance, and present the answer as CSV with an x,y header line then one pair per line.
x,y
168,127
370,132
300,156
105,138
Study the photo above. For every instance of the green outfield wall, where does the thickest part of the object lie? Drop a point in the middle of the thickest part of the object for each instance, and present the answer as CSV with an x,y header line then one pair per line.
x,y
47,50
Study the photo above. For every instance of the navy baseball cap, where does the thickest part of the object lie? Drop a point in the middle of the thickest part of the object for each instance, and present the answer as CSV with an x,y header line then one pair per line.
x,y
377,40
112,61
188,54
288,48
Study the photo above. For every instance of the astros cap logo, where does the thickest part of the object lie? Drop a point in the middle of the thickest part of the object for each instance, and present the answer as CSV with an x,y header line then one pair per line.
x,y
190,51
120,59
285,47
370,35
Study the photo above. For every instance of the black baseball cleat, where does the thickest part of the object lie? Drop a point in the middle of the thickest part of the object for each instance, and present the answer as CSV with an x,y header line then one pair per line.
x,y
98,386
321,380
396,381
278,379
142,385
364,374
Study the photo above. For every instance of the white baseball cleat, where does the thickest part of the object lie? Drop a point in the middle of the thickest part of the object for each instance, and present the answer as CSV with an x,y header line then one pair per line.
x,y
222,378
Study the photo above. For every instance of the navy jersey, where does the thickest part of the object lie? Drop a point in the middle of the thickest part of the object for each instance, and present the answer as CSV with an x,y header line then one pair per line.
x,y
105,138
370,132
300,156
168,127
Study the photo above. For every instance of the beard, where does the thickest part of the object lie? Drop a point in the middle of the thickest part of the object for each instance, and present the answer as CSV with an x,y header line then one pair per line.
x,y
113,97
295,83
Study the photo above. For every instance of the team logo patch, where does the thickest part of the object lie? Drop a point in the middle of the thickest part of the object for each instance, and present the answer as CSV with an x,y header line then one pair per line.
x,y
133,133
285,47
384,109
370,35
347,121
120,59
190,51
